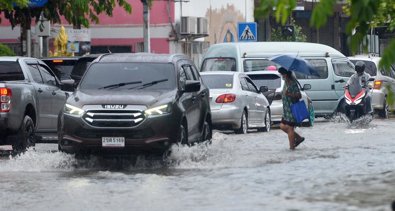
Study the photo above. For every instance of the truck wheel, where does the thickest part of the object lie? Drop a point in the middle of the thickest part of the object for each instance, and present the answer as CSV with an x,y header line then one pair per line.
x,y
183,134
25,135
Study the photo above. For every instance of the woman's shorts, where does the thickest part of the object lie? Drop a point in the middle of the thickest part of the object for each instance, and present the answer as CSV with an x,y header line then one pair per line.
x,y
285,122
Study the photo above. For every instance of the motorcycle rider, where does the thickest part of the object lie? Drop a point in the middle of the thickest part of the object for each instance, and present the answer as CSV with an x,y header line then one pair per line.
x,y
361,78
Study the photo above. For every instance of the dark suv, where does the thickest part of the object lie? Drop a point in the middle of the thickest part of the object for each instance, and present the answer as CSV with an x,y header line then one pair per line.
x,y
136,102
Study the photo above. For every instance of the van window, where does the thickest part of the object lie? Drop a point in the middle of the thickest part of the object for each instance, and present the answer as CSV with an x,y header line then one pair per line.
x,y
319,65
370,67
219,64
343,68
251,65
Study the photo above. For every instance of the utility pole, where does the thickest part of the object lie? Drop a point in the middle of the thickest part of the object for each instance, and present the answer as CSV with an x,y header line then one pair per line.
x,y
146,34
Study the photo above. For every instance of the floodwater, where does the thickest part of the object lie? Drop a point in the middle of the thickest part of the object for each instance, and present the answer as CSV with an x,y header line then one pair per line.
x,y
339,167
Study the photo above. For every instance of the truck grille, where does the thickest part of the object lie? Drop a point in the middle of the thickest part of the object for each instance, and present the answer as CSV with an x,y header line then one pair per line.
x,y
113,118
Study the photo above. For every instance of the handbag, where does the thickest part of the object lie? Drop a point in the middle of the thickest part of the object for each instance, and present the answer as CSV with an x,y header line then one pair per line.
x,y
299,111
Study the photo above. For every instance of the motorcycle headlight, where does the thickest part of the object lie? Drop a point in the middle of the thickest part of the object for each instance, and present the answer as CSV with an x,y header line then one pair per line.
x,y
158,110
72,110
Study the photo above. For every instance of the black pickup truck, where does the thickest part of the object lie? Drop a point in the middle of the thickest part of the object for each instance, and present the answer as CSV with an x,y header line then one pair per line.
x,y
30,101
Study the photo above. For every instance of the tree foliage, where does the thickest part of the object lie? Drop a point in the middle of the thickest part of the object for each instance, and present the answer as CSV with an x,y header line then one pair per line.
x,y
77,12
6,51
9,4
278,35
364,14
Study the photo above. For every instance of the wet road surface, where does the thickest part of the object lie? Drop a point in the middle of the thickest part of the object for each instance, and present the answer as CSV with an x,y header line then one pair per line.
x,y
338,167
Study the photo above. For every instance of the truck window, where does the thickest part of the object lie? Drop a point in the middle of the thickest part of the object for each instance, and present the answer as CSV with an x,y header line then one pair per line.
x,y
35,72
48,78
10,71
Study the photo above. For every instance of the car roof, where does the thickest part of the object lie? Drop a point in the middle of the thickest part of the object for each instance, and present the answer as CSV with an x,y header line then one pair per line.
x,y
222,73
14,58
263,72
141,57
265,49
374,59
59,58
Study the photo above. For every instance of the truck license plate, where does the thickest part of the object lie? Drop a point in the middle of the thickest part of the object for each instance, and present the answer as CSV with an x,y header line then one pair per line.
x,y
113,141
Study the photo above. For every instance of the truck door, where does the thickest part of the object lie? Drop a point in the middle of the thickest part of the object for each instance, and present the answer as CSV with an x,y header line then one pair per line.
x,y
57,96
43,98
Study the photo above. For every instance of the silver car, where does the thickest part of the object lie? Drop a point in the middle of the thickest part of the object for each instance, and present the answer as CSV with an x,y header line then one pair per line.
x,y
275,83
236,103
383,79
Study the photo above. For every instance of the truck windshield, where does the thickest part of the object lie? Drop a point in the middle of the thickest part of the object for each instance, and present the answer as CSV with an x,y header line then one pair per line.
x,y
126,76
10,71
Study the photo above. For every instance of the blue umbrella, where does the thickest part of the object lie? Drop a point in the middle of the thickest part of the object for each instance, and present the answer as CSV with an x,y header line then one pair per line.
x,y
294,63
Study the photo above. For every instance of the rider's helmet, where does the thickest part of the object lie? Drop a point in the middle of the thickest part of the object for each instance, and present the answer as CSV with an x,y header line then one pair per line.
x,y
360,67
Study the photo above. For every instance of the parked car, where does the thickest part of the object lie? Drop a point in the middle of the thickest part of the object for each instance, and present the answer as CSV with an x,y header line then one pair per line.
x,y
61,66
326,90
382,79
136,103
275,84
81,66
236,103
30,99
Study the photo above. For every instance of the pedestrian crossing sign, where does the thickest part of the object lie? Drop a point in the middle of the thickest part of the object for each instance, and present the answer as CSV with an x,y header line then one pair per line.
x,y
247,32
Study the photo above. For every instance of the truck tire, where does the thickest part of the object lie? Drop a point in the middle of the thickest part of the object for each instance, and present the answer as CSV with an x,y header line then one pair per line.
x,y
25,135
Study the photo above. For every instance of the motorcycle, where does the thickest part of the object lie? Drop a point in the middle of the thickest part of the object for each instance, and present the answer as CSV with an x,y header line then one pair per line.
x,y
354,105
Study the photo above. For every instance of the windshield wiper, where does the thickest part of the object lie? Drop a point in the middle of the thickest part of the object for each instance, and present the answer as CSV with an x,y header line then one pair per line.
x,y
142,86
120,84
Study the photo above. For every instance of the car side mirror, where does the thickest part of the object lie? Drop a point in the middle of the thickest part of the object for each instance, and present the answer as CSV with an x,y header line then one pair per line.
x,y
67,85
191,86
306,87
263,89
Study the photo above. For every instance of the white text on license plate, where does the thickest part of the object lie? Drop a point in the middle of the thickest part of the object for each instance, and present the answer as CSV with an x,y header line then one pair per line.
x,y
113,141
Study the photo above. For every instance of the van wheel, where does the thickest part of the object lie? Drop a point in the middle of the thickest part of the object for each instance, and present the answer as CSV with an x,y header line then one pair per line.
x,y
26,137
243,124
384,113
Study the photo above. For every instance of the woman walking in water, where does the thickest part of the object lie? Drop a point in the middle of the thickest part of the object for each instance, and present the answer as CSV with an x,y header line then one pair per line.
x,y
290,94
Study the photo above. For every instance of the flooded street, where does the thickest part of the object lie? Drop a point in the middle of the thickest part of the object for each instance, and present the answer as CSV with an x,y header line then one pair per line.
x,y
338,167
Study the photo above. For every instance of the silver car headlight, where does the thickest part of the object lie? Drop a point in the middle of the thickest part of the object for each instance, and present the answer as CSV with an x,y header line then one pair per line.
x,y
158,110
72,110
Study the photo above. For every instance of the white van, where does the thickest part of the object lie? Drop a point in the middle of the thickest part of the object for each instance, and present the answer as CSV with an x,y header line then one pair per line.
x,y
326,91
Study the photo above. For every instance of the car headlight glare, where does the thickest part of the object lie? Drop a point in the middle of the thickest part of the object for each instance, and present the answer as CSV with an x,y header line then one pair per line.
x,y
159,110
72,110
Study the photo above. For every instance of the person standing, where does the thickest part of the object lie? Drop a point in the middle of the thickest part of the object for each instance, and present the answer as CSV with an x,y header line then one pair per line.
x,y
290,94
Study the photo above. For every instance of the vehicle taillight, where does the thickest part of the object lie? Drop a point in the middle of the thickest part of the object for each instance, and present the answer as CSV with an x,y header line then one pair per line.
x,y
226,98
5,99
377,84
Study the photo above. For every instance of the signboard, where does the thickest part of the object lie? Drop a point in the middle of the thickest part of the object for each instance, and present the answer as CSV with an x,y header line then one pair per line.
x,y
37,3
247,32
43,28
79,41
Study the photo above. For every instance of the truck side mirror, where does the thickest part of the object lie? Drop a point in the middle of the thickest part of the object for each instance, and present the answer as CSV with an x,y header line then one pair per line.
x,y
67,85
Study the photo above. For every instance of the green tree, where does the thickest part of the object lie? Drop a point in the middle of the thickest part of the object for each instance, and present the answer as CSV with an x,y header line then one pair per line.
x,y
364,14
6,51
278,35
77,12
9,4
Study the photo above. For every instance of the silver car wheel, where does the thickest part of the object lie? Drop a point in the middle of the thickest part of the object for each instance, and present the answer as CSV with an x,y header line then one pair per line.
x,y
384,113
244,124
268,121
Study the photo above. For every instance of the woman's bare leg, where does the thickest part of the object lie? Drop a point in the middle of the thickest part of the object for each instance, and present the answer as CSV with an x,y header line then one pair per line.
x,y
291,134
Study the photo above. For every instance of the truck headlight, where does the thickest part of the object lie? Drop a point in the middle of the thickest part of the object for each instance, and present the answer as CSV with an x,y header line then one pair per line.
x,y
158,110
72,110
